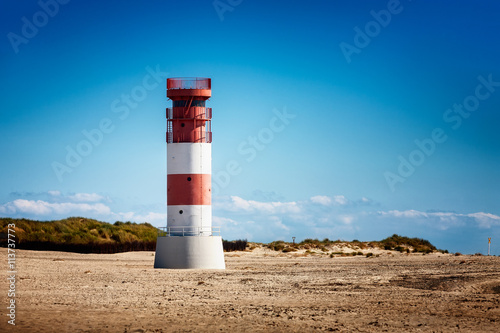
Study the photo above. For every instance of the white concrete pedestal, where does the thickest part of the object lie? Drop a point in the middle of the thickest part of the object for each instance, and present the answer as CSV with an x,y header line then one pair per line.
x,y
188,252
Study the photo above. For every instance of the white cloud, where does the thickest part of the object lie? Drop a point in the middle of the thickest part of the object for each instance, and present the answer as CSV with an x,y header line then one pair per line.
x,y
277,222
239,204
338,200
445,220
406,213
156,219
486,220
86,197
233,229
43,208
223,221
341,200
53,210
364,201
280,219
322,200
296,210
346,219
319,216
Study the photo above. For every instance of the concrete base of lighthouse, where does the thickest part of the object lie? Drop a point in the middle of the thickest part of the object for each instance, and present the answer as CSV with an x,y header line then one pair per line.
x,y
189,252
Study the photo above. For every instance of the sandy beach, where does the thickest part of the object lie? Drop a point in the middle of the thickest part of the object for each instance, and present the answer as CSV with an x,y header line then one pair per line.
x,y
261,290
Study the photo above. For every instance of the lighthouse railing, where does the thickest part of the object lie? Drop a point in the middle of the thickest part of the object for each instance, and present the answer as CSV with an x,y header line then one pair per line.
x,y
189,83
188,231
203,113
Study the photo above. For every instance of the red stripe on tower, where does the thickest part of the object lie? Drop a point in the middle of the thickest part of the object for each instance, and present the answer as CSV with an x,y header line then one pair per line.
x,y
189,189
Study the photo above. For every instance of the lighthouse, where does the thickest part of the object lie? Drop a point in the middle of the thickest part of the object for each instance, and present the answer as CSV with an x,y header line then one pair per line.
x,y
189,240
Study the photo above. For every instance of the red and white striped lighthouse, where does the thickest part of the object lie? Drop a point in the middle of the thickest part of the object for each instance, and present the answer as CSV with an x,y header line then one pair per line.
x,y
189,240
189,156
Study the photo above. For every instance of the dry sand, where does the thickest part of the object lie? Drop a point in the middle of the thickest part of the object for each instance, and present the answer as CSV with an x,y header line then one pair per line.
x,y
260,290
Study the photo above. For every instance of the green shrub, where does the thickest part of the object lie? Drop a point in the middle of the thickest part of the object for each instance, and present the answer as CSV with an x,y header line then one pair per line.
x,y
236,245
276,245
289,249
78,234
397,242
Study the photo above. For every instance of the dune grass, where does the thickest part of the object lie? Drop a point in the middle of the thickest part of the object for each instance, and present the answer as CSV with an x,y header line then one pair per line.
x,y
83,235
394,242
79,234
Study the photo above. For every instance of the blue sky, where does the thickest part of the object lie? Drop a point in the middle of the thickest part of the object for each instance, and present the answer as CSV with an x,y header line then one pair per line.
x,y
339,119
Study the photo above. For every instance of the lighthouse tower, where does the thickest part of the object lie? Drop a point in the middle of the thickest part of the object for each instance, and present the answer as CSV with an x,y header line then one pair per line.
x,y
189,240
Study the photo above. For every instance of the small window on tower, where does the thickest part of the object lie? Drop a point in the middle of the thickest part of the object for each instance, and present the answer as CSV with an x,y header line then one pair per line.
x,y
181,211
189,179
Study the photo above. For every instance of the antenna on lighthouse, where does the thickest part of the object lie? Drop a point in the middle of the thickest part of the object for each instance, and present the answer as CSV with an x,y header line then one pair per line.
x,y
189,240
